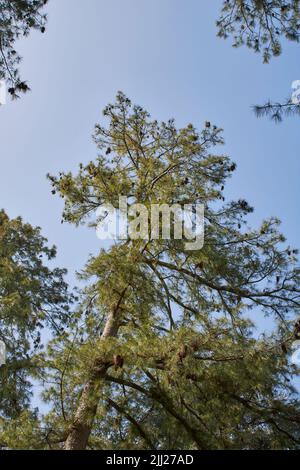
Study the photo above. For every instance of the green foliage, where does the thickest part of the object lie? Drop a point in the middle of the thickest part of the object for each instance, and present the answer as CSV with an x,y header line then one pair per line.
x,y
276,111
23,433
260,24
31,296
17,18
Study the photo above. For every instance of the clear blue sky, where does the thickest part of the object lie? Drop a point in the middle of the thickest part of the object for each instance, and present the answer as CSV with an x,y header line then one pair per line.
x,y
164,54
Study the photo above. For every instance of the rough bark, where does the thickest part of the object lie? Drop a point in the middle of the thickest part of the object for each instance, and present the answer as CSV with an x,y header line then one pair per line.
x,y
87,408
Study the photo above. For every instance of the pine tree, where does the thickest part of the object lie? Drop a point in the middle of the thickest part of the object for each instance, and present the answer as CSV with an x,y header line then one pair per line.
x,y
17,19
161,352
31,297
276,111
260,24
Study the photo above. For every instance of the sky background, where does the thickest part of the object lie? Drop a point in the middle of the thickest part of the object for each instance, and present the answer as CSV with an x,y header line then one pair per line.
x,y
164,54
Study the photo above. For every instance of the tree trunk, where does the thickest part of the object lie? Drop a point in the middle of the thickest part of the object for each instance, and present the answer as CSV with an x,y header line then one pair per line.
x,y
87,408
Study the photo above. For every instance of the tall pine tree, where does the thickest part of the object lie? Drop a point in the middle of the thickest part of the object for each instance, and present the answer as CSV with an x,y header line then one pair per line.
x,y
161,353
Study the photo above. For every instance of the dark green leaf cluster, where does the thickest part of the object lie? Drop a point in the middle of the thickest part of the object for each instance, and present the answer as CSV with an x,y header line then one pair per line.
x,y
31,296
260,24
17,19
